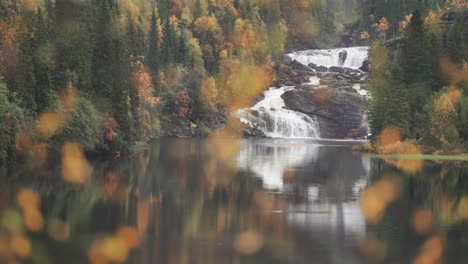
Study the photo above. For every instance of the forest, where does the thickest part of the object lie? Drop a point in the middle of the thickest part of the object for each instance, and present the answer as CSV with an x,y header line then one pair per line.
x,y
107,74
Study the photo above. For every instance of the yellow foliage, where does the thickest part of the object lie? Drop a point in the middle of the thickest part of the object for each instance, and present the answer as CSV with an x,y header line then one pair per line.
x,y
75,166
49,124
206,26
376,198
244,35
432,22
108,250
209,92
239,83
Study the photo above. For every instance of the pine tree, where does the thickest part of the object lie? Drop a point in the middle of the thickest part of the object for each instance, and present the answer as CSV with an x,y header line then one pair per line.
x,y
44,87
104,53
416,61
169,42
456,40
153,59
25,74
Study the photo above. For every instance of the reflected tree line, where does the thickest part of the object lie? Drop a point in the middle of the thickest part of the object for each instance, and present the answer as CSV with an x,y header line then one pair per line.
x,y
426,223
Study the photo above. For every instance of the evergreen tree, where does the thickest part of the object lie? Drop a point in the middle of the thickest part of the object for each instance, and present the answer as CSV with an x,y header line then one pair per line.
x,y
153,59
44,86
456,40
169,42
416,61
104,54
25,74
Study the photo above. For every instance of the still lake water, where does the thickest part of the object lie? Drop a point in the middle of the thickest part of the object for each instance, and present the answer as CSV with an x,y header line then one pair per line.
x,y
246,201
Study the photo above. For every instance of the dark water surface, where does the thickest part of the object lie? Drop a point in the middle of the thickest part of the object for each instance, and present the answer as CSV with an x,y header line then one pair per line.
x,y
248,201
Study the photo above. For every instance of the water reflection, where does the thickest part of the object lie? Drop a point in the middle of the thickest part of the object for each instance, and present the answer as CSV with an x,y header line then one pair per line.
x,y
273,201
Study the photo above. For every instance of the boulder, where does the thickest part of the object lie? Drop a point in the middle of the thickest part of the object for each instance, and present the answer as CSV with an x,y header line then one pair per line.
x,y
338,111
313,66
321,69
287,59
336,69
365,66
351,70
282,83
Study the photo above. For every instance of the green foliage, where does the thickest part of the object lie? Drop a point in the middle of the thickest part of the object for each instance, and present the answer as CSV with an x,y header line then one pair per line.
x,y
13,118
389,105
456,42
84,126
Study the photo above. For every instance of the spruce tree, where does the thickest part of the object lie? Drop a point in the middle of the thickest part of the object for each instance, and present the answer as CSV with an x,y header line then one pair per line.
x,y
456,40
25,74
104,52
169,42
44,86
153,58
416,60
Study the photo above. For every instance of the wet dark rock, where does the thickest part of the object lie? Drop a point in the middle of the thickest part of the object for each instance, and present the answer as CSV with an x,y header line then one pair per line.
x,y
351,70
299,67
365,66
342,57
253,131
336,69
338,111
322,69
287,59
313,66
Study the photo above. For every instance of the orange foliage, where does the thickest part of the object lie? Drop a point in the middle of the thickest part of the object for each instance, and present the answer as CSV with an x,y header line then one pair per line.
x,y
453,72
431,252
382,26
403,24
422,221
110,129
376,198
142,82
21,246
248,242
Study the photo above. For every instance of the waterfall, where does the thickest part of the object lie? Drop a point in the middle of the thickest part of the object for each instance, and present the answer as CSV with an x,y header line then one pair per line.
x,y
270,114
271,117
343,57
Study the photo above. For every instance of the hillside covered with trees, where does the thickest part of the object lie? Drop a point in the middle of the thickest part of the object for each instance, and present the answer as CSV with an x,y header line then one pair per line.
x,y
109,73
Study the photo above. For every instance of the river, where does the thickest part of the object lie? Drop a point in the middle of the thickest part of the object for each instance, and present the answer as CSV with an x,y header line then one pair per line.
x,y
241,201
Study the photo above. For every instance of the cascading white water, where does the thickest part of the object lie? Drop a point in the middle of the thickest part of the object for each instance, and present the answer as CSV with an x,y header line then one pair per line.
x,y
352,57
270,116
